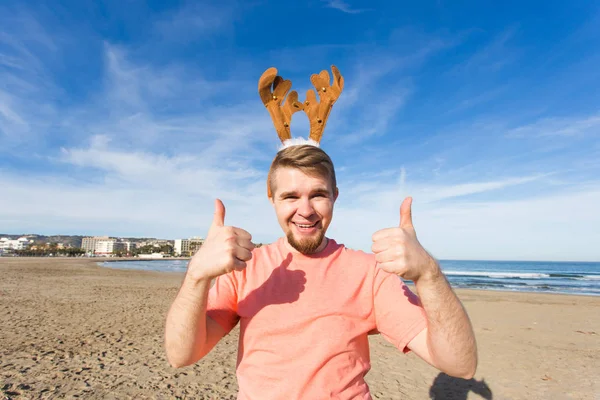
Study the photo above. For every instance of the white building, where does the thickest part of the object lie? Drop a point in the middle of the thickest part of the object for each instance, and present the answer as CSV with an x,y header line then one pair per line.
x,y
104,246
10,244
186,247
129,246
180,245
154,243
89,243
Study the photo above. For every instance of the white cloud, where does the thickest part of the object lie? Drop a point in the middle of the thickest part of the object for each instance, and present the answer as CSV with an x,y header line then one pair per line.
x,y
194,22
402,177
361,192
149,196
343,6
476,100
157,204
25,100
559,127
380,85
552,227
169,110
374,118
440,193
185,173
146,153
7,112
494,56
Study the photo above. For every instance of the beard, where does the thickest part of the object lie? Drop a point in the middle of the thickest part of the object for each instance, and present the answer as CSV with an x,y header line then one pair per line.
x,y
307,245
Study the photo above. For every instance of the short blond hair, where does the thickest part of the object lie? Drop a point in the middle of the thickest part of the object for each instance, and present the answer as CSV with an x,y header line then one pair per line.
x,y
309,159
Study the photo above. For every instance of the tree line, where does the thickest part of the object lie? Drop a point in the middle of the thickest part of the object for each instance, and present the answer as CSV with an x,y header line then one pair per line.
x,y
46,251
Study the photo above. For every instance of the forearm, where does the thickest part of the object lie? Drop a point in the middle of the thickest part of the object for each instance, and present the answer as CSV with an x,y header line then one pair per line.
x,y
186,330
450,339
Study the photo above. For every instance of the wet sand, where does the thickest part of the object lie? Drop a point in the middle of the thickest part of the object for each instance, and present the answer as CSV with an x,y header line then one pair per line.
x,y
72,329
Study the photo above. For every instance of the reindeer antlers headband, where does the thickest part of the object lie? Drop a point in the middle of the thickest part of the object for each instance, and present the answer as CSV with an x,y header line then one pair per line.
x,y
273,89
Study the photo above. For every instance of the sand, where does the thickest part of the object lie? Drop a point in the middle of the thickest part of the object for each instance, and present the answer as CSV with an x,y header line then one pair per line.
x,y
72,329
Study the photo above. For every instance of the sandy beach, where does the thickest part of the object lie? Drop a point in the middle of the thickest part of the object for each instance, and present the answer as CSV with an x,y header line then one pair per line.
x,y
73,329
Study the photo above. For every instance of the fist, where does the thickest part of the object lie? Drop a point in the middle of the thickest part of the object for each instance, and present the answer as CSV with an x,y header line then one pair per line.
x,y
225,249
398,251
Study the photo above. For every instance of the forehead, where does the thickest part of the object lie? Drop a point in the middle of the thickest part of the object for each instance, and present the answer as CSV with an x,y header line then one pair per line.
x,y
292,179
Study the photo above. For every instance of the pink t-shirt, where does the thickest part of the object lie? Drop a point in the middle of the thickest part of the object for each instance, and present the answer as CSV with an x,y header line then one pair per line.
x,y
305,320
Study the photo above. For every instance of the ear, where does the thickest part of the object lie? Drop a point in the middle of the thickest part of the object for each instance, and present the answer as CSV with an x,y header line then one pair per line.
x,y
336,193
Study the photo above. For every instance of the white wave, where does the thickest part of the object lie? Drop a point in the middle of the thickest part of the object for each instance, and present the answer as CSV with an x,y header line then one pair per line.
x,y
588,278
530,275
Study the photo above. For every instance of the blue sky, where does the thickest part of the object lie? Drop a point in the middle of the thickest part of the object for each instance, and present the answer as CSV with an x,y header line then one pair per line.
x,y
128,118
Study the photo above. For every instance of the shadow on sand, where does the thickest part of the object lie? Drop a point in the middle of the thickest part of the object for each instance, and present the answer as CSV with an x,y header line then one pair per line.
x,y
446,387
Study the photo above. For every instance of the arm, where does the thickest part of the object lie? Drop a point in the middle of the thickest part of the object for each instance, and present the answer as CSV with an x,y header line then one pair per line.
x,y
189,333
448,343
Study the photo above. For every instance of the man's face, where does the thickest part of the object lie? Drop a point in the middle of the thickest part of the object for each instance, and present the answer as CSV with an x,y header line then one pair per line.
x,y
304,208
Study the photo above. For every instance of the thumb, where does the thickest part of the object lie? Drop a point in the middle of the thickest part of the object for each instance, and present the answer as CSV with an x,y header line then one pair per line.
x,y
406,214
219,216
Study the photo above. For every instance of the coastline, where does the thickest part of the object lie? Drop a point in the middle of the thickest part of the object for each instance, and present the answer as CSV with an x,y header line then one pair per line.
x,y
539,277
73,327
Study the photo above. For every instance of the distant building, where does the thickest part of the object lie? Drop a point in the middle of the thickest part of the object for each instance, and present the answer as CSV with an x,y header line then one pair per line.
x,y
105,246
7,245
180,246
187,247
154,243
128,246
89,243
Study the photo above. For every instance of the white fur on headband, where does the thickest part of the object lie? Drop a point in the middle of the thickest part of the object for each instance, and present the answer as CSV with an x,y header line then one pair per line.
x,y
297,142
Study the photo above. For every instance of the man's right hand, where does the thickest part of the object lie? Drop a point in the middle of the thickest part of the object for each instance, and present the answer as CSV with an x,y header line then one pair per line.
x,y
225,249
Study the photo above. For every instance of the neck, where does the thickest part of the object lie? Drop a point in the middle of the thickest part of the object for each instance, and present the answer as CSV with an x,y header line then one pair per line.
x,y
322,245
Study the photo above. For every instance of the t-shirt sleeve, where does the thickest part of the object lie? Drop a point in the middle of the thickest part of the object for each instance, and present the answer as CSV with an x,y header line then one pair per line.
x,y
399,315
222,302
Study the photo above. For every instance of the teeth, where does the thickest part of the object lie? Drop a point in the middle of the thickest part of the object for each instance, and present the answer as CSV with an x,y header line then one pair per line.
x,y
305,226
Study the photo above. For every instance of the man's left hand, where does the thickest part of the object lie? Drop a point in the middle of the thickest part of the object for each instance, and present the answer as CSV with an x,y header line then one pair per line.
x,y
398,251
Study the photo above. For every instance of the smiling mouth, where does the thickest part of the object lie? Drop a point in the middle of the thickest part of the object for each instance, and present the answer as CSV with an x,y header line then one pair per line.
x,y
305,226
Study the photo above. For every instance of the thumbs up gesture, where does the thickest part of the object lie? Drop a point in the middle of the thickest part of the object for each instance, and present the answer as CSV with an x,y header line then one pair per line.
x,y
398,251
225,249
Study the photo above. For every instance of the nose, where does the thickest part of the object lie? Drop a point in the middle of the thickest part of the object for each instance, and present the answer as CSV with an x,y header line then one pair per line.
x,y
305,208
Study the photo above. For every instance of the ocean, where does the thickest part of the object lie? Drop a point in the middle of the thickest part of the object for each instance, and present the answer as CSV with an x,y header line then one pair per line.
x,y
581,278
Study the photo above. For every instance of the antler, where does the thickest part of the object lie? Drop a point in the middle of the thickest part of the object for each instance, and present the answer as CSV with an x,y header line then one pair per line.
x,y
272,99
318,112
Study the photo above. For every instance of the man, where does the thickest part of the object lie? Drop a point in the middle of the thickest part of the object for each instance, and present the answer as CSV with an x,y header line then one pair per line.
x,y
307,304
